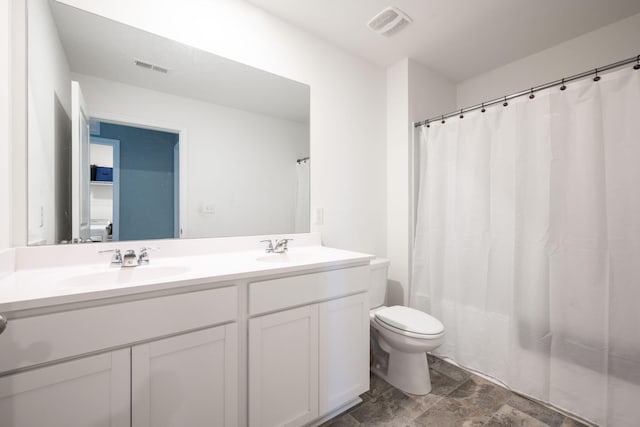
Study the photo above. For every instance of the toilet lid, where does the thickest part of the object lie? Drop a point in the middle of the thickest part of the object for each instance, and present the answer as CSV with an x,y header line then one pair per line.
x,y
410,320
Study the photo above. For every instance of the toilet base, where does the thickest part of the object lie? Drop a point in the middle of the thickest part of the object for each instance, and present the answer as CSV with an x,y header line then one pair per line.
x,y
408,372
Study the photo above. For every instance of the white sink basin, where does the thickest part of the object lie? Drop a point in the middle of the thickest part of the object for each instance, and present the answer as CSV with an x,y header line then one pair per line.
x,y
285,258
124,275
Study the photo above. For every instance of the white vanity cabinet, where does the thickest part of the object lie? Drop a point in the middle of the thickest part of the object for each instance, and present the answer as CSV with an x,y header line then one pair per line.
x,y
308,361
89,391
188,378
267,346
344,351
283,368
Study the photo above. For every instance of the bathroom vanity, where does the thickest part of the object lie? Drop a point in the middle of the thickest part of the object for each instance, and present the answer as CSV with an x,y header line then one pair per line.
x,y
216,336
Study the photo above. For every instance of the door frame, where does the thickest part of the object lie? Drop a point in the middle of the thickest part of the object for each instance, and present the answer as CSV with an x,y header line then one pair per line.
x,y
181,228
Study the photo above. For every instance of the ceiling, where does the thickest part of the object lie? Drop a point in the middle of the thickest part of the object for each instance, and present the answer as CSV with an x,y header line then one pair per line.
x,y
457,38
106,49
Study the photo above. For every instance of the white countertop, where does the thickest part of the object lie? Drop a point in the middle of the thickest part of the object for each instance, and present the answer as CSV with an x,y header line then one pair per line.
x,y
44,287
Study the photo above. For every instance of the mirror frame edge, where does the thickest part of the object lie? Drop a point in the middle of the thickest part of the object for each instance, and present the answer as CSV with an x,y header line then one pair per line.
x,y
18,122
19,135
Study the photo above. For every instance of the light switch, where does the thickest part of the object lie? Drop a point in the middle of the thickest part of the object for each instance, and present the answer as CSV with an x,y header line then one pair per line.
x,y
208,208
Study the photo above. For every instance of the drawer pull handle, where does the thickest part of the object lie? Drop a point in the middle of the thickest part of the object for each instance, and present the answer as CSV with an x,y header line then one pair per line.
x,y
3,323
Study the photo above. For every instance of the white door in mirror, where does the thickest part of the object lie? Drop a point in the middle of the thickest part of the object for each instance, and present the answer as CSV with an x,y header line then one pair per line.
x,y
80,172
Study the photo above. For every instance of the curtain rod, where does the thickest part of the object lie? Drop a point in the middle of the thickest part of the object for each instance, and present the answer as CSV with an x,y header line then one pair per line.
x,y
304,159
534,89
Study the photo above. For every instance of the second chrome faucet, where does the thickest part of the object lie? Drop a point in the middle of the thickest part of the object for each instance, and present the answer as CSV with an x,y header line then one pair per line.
x,y
280,246
130,259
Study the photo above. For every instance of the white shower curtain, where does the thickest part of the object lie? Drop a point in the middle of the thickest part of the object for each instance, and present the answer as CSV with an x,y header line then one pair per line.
x,y
527,244
302,218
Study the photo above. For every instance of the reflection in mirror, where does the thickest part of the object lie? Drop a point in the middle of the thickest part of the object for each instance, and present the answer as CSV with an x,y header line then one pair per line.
x,y
156,139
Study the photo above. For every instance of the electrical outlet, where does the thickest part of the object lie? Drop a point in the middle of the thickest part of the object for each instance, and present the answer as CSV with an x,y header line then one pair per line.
x,y
208,208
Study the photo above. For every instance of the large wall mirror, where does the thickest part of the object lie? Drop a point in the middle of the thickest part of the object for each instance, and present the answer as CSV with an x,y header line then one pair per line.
x,y
132,136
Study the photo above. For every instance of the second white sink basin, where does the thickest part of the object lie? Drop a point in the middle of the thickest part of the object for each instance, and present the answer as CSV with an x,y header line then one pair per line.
x,y
285,258
124,275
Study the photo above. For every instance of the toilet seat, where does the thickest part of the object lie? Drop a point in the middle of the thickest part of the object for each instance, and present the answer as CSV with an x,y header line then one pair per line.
x,y
409,322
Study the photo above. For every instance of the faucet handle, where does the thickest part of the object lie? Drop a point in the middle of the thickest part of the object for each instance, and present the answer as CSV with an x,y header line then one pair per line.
x,y
143,258
269,246
116,258
281,246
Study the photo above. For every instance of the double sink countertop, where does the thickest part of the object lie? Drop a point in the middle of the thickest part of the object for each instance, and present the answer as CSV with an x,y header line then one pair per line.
x,y
46,285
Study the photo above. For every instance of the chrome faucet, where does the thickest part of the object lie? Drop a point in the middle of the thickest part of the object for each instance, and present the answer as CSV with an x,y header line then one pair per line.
x,y
130,259
279,248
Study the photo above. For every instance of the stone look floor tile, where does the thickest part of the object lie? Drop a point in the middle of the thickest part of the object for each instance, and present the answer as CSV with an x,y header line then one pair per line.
x,y
470,404
570,422
395,403
344,420
450,370
458,399
536,410
507,416
385,408
441,386
377,386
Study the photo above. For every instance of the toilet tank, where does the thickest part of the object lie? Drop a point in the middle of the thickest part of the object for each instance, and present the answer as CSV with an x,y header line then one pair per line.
x,y
378,287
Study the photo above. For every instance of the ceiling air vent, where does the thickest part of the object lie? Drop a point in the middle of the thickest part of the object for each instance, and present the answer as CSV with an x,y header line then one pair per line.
x,y
389,22
160,69
149,66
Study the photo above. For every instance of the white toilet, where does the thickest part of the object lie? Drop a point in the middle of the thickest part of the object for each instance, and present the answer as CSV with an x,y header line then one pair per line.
x,y
403,334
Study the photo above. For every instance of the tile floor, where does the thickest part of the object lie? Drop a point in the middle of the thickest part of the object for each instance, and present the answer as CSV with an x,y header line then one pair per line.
x,y
458,398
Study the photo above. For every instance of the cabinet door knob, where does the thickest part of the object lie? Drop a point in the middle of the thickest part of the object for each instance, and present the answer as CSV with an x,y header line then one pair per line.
x,y
3,323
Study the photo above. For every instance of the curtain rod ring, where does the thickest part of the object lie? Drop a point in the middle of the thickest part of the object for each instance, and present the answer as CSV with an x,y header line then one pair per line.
x,y
505,103
563,87
637,66
597,77
461,115
443,121
483,109
532,95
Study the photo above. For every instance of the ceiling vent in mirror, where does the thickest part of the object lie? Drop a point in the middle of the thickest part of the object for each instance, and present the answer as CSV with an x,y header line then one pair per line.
x,y
149,66
389,22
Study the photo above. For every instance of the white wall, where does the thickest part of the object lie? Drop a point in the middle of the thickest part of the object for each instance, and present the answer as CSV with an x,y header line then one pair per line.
x,y
347,101
429,92
398,131
5,135
48,75
603,46
243,163
413,92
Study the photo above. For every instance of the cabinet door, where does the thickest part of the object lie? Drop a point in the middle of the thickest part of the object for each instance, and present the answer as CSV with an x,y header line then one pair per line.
x,y
91,391
344,351
283,368
187,380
